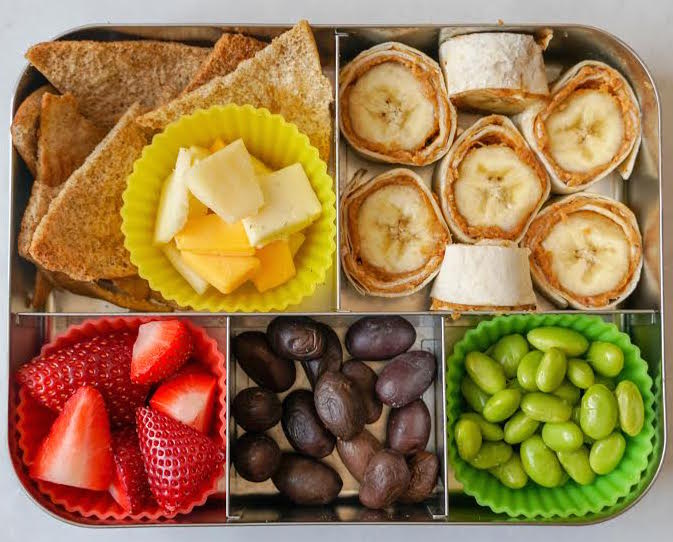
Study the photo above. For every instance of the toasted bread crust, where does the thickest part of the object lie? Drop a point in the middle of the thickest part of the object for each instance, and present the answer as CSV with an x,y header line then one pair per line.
x,y
107,77
81,233
285,77
25,126
229,51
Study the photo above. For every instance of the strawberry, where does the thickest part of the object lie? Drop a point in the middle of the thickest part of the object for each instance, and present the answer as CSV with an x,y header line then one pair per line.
x,y
77,452
162,347
129,486
188,397
179,460
103,362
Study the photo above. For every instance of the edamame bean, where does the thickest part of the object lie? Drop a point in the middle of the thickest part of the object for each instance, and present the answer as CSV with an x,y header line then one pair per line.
x,y
606,453
544,407
491,454
576,464
468,438
630,407
489,431
508,352
520,427
473,394
580,373
485,372
609,383
551,371
606,358
502,405
527,370
540,463
598,415
575,417
562,437
570,342
511,473
568,392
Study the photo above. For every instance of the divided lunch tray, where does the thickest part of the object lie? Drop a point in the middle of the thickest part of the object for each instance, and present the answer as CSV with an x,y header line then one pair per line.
x,y
338,304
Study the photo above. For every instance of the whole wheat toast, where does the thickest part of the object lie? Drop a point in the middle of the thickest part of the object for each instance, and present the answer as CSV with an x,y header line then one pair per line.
x,y
228,52
81,233
65,139
107,77
285,77
25,126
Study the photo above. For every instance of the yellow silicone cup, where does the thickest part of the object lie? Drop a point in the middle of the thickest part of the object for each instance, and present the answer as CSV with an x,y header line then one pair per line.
x,y
269,138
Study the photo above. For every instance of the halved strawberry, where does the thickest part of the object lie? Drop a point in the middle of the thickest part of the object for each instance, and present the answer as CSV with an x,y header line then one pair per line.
x,y
77,452
188,397
162,347
129,486
103,362
179,460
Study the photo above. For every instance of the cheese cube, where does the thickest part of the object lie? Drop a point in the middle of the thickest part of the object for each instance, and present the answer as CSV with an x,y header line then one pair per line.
x,y
209,234
258,166
226,183
276,266
290,204
226,273
195,280
174,203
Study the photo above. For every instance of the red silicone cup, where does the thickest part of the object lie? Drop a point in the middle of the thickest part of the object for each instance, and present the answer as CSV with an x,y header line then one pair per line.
x,y
34,420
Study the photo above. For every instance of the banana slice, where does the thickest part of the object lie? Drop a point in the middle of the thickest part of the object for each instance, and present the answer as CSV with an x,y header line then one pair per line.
x,y
590,127
585,251
499,72
483,277
392,233
394,107
490,184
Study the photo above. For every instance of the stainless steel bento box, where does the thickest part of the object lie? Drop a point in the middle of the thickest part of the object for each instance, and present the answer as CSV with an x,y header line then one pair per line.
x,y
337,303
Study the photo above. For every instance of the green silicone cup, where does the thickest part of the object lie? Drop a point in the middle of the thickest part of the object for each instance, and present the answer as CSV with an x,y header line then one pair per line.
x,y
571,499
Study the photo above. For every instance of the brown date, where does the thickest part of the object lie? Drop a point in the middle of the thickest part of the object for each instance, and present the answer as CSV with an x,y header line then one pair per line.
x,y
386,478
256,457
254,355
302,427
405,378
356,453
329,361
305,480
424,468
365,379
374,338
296,337
256,409
339,405
409,428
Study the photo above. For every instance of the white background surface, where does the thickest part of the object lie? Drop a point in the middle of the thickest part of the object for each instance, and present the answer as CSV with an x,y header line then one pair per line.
x,y
645,25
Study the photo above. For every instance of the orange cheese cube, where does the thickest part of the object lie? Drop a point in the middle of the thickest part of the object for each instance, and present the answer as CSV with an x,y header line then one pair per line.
x,y
226,273
209,234
276,266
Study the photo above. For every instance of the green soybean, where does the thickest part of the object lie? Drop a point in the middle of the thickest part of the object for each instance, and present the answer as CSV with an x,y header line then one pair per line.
x,y
568,392
520,427
606,358
473,394
575,416
511,473
508,352
489,431
485,372
630,407
570,342
540,463
525,373
580,373
551,371
609,383
562,437
502,405
491,454
544,407
598,415
468,439
606,453
576,464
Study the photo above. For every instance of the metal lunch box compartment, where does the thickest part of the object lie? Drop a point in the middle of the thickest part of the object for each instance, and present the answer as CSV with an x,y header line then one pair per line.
x,y
641,316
